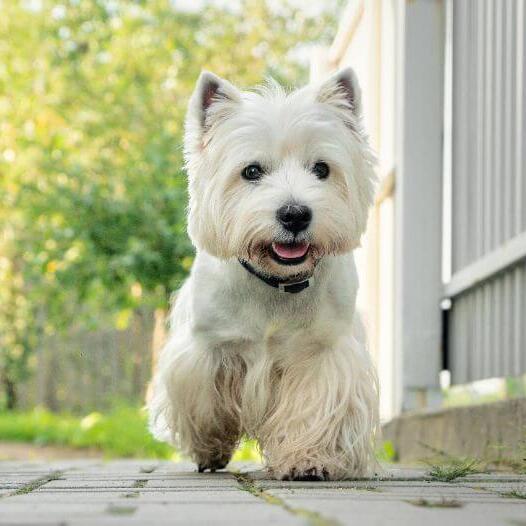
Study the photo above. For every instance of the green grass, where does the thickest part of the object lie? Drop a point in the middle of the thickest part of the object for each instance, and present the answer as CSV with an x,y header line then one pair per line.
x,y
453,469
122,432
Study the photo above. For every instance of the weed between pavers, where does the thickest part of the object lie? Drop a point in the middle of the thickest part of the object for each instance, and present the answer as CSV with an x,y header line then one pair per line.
x,y
35,484
454,469
448,467
443,503
313,518
515,494
516,463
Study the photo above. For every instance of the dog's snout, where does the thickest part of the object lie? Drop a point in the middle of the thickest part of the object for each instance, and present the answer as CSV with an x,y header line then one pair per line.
x,y
294,218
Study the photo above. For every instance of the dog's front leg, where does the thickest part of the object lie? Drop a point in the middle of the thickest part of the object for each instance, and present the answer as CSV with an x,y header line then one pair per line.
x,y
322,414
196,403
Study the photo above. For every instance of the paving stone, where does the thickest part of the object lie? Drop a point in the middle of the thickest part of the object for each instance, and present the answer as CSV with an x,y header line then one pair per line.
x,y
146,492
407,503
348,511
73,497
113,508
88,484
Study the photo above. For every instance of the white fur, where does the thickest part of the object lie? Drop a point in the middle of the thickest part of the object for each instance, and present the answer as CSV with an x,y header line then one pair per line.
x,y
242,357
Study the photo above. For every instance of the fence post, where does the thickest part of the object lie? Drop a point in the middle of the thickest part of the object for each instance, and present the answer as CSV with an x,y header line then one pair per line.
x,y
418,200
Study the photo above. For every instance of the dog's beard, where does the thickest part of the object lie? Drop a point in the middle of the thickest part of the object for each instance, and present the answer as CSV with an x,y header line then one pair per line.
x,y
266,255
263,258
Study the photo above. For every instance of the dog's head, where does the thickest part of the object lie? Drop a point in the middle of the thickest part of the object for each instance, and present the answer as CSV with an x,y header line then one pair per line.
x,y
277,179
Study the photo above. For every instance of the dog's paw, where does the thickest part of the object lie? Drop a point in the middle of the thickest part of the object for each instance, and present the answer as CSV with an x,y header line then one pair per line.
x,y
212,464
212,467
312,473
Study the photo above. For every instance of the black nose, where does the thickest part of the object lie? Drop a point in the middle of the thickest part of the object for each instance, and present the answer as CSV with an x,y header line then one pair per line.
x,y
294,218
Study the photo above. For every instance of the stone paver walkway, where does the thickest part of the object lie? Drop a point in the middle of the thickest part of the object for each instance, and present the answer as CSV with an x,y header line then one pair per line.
x,y
82,492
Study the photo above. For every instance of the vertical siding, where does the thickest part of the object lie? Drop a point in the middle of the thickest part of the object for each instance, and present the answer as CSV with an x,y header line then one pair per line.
x,y
488,329
488,322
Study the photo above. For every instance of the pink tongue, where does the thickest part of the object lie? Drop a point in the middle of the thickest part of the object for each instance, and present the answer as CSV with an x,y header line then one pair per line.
x,y
290,251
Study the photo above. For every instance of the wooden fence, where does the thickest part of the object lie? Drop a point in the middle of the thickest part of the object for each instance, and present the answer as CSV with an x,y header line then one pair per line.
x,y
84,370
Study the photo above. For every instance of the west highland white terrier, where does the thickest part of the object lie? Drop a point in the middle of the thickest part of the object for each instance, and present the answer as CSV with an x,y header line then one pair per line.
x,y
263,333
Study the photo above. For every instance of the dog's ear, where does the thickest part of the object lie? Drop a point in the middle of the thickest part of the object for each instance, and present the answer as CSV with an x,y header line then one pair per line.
x,y
343,91
212,97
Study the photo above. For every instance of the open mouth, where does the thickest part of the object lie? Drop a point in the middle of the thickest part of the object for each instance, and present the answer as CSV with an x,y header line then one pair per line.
x,y
289,253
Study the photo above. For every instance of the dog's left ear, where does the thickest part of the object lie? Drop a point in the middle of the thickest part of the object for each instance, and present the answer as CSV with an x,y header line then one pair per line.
x,y
343,91
213,98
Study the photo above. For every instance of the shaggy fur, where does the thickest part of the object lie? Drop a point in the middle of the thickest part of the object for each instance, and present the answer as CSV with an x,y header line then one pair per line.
x,y
243,357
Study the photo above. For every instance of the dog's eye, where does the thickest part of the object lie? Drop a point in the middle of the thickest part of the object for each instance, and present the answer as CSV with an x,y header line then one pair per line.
x,y
252,172
321,170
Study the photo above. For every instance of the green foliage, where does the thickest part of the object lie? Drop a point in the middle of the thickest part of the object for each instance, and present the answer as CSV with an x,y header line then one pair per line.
x,y
248,451
18,332
387,452
92,103
122,432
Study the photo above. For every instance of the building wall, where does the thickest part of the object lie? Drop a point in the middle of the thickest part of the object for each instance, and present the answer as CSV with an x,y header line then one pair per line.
x,y
444,86
365,42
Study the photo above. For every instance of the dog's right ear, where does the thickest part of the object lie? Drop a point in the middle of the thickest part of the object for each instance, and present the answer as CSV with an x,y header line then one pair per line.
x,y
213,98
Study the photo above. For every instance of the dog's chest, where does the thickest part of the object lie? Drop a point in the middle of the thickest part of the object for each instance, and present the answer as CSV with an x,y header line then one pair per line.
x,y
246,316
253,326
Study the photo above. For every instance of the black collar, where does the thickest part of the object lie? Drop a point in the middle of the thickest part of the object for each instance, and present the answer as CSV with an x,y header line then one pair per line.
x,y
282,286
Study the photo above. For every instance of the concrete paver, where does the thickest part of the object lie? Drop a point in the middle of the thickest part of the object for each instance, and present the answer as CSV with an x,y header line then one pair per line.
x,y
86,492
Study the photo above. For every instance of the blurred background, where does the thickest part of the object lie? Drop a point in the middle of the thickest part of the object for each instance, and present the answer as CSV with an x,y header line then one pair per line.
x,y
92,212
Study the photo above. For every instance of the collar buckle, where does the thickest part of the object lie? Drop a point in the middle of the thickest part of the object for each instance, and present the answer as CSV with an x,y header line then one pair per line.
x,y
298,286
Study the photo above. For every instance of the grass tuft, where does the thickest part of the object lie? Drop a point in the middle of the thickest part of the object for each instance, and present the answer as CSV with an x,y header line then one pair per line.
x,y
515,494
453,469
448,467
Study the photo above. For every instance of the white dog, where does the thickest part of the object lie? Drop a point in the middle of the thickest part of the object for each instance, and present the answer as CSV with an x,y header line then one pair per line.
x,y
262,339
